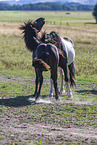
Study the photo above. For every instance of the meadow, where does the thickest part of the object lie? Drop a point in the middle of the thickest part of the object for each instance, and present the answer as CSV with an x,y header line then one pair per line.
x,y
69,121
57,16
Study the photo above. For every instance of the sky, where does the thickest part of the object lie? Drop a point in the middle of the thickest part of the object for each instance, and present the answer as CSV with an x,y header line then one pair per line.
x,y
9,0
80,1
45,0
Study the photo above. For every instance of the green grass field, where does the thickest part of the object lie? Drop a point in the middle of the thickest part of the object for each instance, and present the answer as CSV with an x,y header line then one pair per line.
x,y
69,122
21,16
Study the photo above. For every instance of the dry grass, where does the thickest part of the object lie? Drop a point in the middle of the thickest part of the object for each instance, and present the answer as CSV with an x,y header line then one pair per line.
x,y
16,60
9,28
84,38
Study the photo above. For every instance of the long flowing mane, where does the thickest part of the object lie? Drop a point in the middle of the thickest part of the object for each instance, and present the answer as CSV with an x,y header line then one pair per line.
x,y
30,35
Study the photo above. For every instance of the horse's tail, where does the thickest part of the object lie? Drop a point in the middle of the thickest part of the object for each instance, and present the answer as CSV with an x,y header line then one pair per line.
x,y
72,74
39,63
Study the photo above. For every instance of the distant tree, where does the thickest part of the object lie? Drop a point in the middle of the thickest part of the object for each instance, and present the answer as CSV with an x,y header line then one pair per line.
x,y
49,6
95,13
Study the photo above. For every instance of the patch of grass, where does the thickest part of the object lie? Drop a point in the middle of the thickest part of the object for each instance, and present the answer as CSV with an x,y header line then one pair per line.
x,y
16,88
19,16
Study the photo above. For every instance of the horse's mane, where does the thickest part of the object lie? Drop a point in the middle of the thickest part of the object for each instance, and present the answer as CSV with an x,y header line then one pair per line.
x,y
30,35
28,26
43,37
53,37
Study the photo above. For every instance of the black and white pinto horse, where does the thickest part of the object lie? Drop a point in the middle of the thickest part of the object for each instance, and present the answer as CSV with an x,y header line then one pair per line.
x,y
65,45
45,56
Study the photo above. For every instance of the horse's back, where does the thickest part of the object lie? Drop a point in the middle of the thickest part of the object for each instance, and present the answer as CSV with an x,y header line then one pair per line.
x,y
69,49
48,53
53,50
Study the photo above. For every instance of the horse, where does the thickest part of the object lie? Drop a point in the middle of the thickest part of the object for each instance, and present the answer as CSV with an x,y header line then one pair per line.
x,y
45,57
65,45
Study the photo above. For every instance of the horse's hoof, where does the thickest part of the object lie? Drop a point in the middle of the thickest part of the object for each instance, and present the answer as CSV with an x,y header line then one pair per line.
x,y
36,98
70,96
50,95
57,98
62,92
34,95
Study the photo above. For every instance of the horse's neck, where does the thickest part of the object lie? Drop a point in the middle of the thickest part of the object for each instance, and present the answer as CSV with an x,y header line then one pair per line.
x,y
31,42
34,54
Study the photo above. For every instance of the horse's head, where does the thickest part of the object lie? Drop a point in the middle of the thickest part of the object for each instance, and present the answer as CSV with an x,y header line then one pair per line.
x,y
38,24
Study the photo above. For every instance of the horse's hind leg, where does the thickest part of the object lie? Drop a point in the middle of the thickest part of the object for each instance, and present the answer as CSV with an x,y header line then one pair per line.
x,y
69,92
67,79
54,78
51,88
64,65
62,81
36,84
40,81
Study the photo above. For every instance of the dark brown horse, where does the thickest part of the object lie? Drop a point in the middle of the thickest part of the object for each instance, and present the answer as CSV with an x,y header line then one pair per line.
x,y
45,56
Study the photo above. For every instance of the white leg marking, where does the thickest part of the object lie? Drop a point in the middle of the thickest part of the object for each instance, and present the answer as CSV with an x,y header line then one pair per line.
x,y
69,92
51,88
62,81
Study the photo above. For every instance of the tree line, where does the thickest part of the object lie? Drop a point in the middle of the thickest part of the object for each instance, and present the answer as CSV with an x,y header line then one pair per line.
x,y
47,6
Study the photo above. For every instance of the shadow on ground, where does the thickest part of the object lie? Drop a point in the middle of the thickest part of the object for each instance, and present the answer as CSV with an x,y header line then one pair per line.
x,y
19,101
94,92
